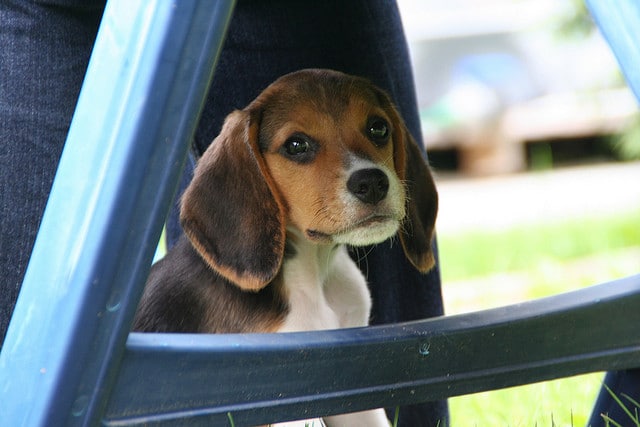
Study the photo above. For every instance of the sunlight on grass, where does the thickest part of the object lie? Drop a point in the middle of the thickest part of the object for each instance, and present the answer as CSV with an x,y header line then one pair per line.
x,y
484,270
560,403
546,278
480,253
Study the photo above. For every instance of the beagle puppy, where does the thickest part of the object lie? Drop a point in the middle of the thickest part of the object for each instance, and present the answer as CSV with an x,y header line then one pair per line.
x,y
319,161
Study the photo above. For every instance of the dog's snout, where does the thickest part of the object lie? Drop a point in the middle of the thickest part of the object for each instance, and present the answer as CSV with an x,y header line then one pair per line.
x,y
369,185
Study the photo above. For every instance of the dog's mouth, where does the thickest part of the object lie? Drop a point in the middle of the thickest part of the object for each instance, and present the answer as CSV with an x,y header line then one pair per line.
x,y
372,220
372,229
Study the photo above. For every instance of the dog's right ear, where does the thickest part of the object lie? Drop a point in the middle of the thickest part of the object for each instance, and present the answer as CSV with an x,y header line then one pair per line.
x,y
229,211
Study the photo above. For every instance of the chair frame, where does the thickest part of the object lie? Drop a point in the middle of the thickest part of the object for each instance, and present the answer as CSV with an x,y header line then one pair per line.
x,y
68,358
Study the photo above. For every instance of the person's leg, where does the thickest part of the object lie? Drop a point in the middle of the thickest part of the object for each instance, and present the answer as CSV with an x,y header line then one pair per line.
x,y
625,385
43,58
362,37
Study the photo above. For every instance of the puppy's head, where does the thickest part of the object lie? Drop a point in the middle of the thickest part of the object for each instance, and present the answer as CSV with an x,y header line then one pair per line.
x,y
318,152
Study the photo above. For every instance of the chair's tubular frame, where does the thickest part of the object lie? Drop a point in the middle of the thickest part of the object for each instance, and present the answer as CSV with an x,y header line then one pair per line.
x,y
264,378
145,85
66,359
619,22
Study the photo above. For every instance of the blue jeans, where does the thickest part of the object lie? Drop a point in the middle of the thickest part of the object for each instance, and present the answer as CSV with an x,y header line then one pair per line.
x,y
43,58
45,50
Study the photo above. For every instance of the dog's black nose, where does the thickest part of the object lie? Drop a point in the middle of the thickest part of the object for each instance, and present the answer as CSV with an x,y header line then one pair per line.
x,y
368,185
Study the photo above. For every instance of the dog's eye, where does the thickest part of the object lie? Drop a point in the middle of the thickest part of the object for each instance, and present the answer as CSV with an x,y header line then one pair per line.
x,y
377,130
295,146
299,148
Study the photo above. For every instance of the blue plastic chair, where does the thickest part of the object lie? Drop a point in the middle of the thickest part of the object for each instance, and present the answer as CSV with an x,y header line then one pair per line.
x,y
68,358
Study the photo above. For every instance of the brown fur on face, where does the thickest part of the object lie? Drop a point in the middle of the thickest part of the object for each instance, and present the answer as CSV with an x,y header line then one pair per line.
x,y
313,192
246,191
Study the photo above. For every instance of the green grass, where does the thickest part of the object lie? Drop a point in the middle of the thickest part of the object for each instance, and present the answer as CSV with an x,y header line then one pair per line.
x,y
559,403
552,258
481,253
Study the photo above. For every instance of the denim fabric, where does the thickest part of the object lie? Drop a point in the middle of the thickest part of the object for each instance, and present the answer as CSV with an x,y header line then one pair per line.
x,y
621,383
44,51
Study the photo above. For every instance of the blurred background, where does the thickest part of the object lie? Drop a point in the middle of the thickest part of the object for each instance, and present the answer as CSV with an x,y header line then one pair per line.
x,y
535,143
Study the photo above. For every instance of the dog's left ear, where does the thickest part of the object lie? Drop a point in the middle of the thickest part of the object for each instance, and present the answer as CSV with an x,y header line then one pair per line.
x,y
229,211
416,232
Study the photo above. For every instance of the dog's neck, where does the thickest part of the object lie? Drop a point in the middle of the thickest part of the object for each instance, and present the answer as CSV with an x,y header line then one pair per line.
x,y
317,258
324,287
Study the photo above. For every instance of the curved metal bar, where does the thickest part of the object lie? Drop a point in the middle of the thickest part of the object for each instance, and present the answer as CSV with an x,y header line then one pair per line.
x,y
144,88
619,21
261,378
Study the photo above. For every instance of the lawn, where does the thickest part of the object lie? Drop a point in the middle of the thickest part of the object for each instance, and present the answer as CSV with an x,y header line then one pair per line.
x,y
559,403
483,269
525,248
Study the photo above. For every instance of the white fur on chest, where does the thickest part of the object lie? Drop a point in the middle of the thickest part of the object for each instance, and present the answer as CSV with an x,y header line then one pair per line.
x,y
325,290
